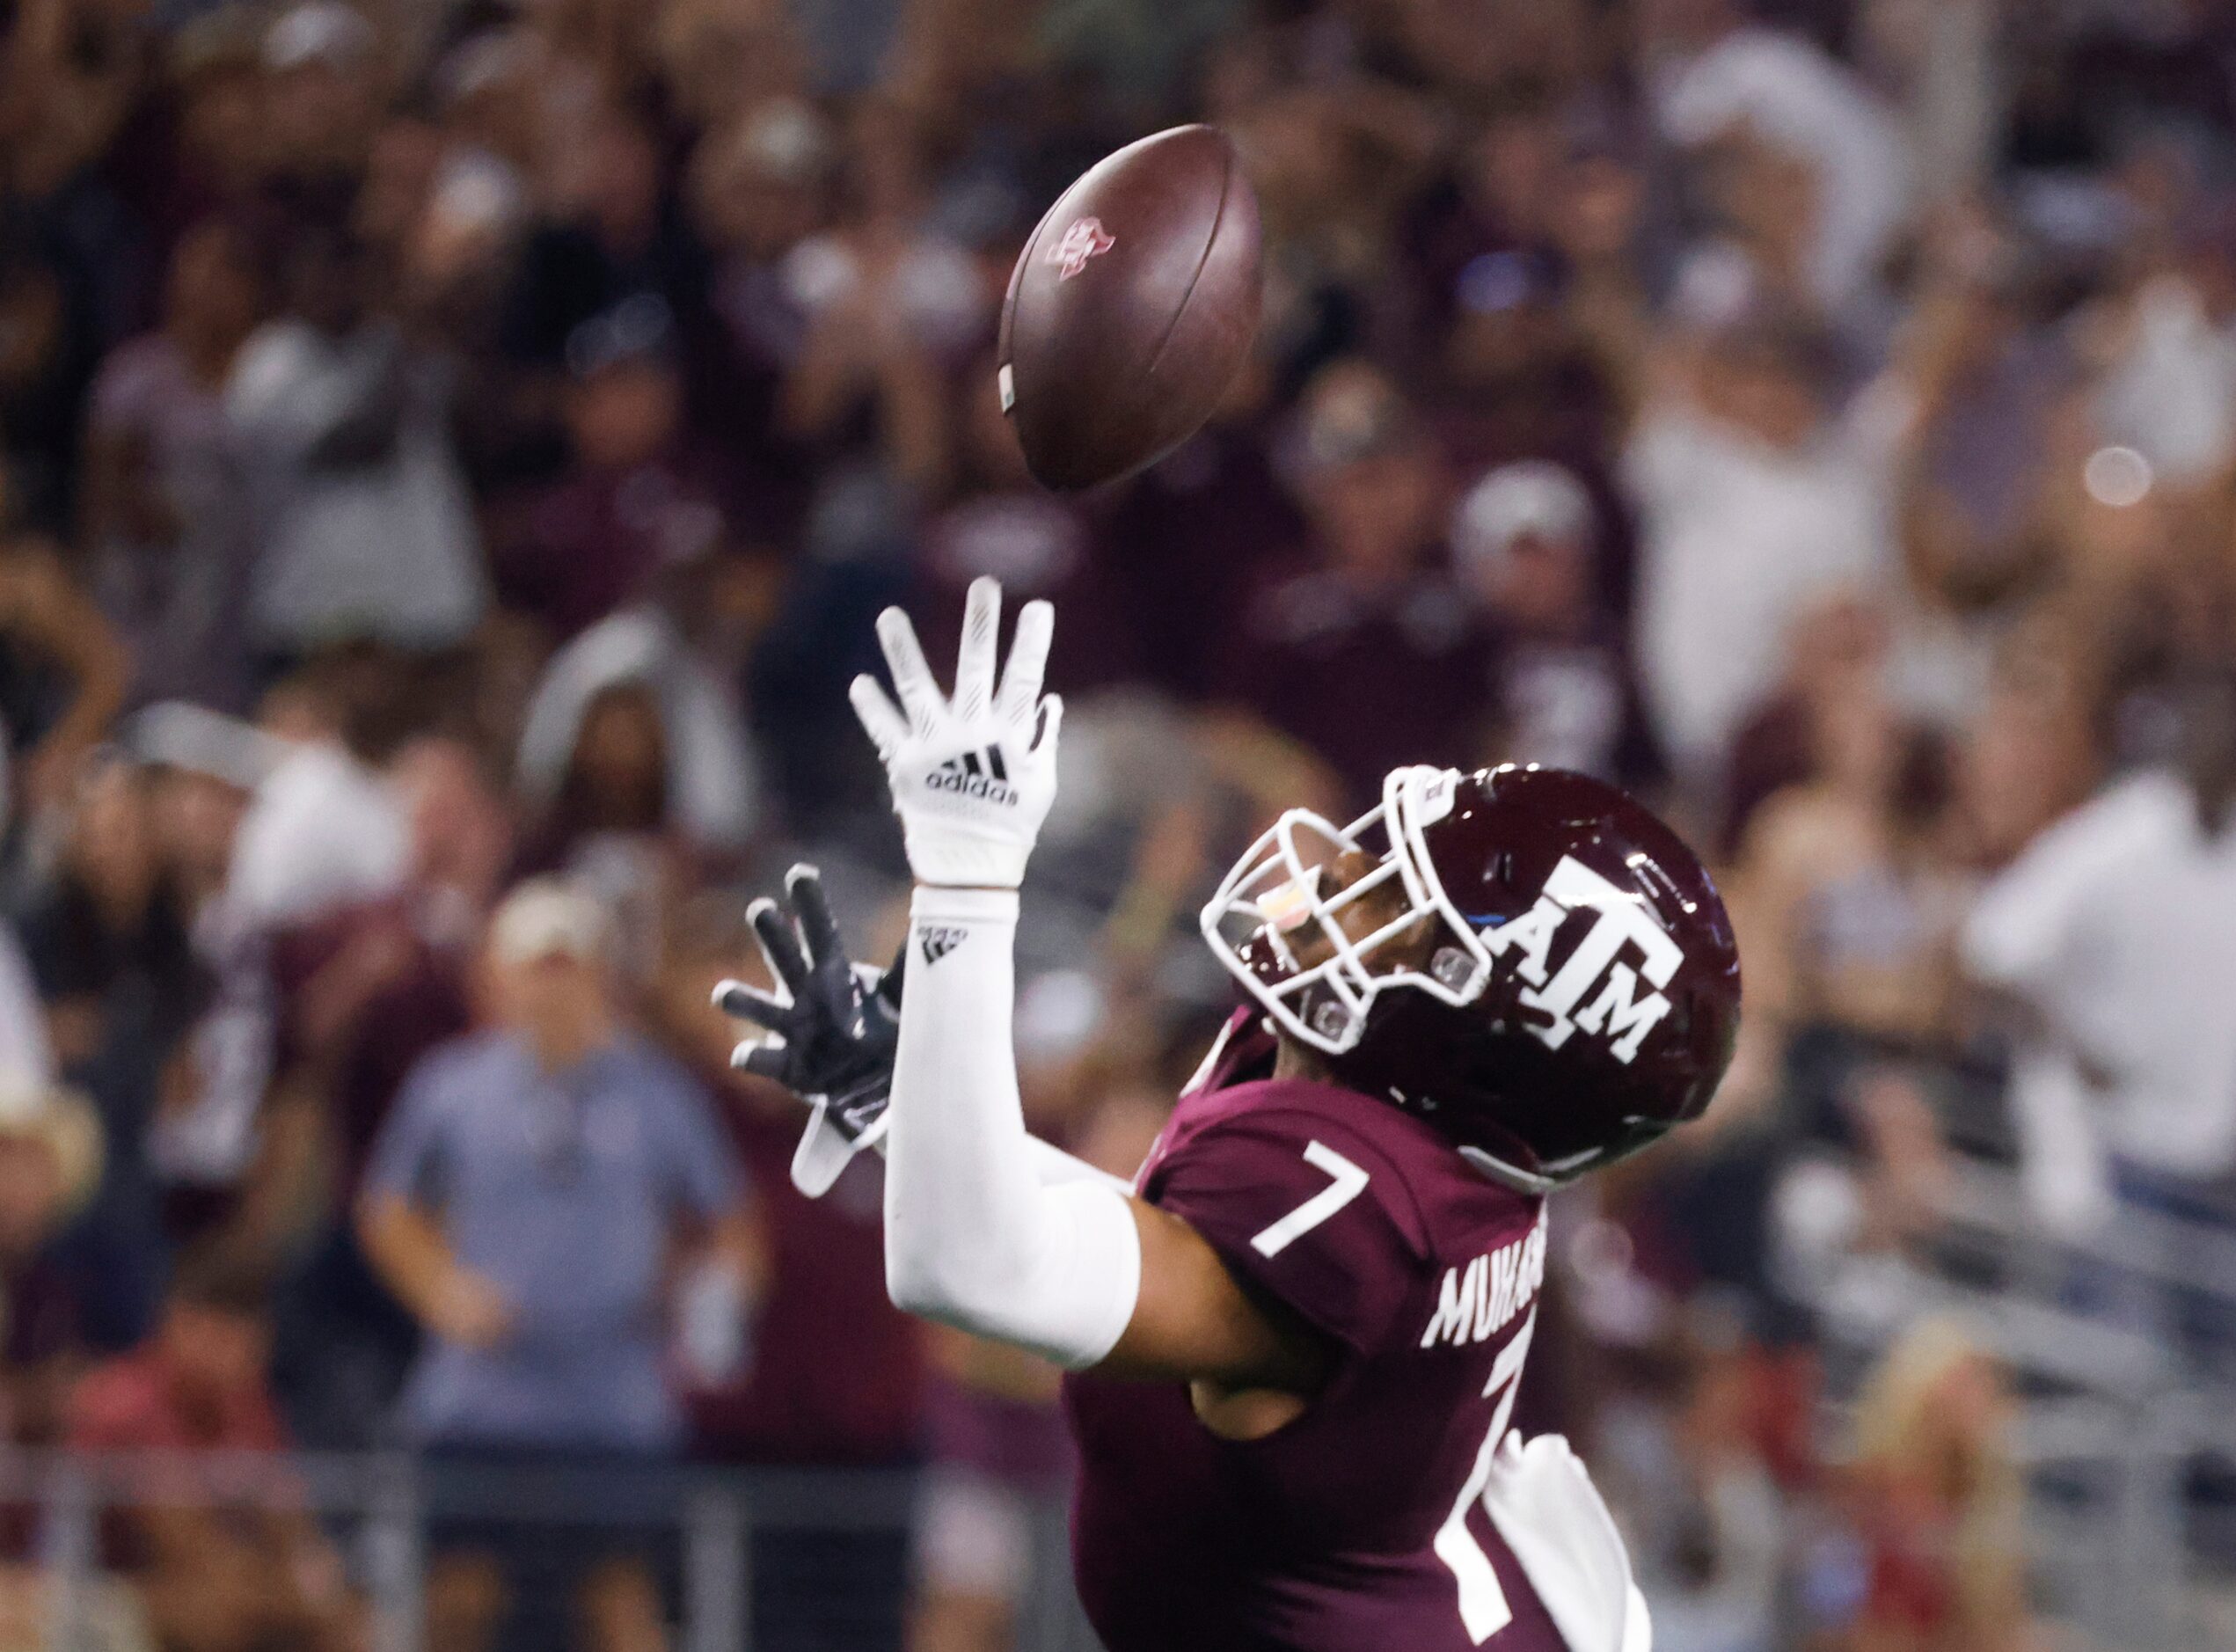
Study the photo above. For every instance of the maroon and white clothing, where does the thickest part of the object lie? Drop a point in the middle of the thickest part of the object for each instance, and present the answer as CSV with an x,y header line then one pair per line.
x,y
179,604
1359,1523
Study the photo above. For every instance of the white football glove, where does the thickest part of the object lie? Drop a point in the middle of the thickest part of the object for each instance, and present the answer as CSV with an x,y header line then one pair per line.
x,y
972,776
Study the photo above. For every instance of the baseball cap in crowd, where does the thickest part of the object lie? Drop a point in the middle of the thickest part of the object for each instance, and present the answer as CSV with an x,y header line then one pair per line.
x,y
61,1121
323,32
785,141
176,734
1350,413
639,328
550,917
1532,497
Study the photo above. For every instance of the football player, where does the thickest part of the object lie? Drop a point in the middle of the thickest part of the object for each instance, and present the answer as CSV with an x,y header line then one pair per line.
x,y
1296,1337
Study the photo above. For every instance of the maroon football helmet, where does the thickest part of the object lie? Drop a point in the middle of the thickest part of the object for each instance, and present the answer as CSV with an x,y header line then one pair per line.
x,y
1579,992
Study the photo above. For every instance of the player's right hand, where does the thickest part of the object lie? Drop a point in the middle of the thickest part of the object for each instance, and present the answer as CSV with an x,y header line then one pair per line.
x,y
833,1026
973,776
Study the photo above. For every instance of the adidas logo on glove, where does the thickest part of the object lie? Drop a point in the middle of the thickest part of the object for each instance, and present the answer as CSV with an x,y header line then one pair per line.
x,y
977,774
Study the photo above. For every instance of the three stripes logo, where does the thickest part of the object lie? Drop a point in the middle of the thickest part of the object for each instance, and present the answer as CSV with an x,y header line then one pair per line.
x,y
938,940
981,775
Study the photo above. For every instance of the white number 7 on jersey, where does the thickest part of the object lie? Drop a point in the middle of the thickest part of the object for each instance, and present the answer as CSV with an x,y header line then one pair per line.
x,y
1350,1182
1483,1610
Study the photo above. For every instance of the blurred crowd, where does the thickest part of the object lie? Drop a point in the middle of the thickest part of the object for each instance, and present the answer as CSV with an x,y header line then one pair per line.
x,y
452,452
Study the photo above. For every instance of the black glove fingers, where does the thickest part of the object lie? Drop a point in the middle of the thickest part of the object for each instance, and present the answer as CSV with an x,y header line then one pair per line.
x,y
803,889
743,1003
764,1060
778,945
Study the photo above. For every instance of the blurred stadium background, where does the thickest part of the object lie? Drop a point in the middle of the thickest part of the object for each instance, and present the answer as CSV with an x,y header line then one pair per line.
x,y
452,443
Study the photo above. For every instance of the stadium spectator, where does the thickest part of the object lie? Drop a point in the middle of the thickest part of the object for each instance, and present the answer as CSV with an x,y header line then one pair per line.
x,y
362,525
1374,658
1810,155
613,236
217,1574
1937,1499
686,649
371,990
51,343
521,1201
109,944
1755,494
640,496
320,106
1526,543
757,187
2110,934
890,305
1846,881
50,1164
996,522
1698,1476
1197,538
164,503
63,672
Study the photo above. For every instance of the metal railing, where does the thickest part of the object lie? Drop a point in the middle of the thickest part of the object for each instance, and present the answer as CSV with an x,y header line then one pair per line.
x,y
2117,1413
380,1509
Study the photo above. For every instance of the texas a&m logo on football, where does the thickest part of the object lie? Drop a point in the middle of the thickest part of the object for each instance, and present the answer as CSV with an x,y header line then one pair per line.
x,y
1615,1011
1086,239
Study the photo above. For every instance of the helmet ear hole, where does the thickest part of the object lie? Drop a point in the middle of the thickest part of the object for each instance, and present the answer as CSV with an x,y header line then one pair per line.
x,y
1331,1021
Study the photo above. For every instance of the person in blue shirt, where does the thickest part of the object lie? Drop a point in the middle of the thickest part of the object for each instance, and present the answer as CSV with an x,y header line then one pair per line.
x,y
526,1200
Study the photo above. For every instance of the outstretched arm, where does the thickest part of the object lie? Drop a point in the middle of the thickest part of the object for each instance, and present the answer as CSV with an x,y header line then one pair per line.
x,y
1079,1272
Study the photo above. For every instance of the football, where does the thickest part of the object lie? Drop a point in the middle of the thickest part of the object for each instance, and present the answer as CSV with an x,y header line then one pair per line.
x,y
1131,308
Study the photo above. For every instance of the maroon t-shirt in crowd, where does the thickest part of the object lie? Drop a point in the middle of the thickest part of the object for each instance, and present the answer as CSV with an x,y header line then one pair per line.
x,y
574,552
1360,1523
838,1371
1039,546
1370,678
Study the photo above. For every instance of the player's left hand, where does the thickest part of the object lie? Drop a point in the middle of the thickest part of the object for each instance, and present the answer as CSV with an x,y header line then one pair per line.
x,y
972,776
833,1026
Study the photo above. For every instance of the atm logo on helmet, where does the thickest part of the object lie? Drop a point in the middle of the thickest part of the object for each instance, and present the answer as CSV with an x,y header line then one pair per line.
x,y
1615,1011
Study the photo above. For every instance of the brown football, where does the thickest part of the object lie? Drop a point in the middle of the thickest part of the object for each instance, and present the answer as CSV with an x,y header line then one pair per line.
x,y
1131,308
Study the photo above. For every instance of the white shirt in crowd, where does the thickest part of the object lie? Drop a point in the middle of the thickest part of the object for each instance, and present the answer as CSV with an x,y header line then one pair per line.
x,y
385,549
1794,97
1736,538
323,832
24,1047
2118,926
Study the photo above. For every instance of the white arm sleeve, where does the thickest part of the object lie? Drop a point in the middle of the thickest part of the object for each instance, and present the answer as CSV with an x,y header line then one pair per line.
x,y
975,1237
1055,1167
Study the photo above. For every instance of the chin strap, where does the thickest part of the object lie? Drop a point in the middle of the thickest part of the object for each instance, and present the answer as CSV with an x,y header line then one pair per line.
x,y
1507,1175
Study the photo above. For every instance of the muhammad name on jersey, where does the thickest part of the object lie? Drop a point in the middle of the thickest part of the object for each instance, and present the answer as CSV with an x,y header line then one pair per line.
x,y
1617,917
1476,1302
975,774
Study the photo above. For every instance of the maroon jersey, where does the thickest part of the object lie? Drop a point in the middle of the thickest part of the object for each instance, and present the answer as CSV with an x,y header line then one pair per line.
x,y
1360,1523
